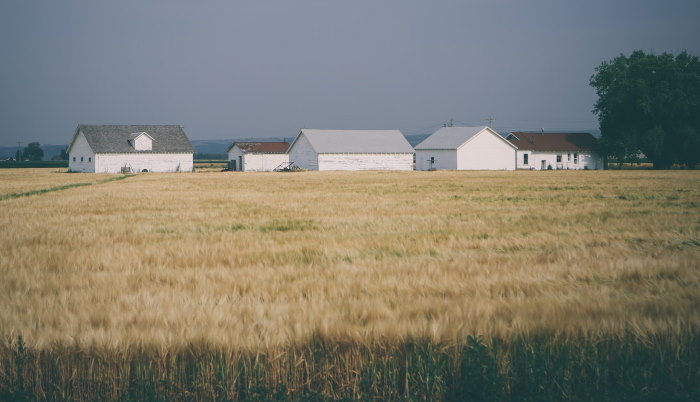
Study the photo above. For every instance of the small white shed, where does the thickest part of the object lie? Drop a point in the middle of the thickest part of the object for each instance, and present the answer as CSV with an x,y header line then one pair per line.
x,y
351,150
130,148
465,148
258,156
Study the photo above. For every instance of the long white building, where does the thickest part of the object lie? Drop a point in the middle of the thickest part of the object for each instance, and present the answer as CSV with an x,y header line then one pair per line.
x,y
130,149
351,150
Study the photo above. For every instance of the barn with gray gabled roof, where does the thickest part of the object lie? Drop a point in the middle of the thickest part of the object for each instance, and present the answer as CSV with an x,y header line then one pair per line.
x,y
465,148
316,149
130,149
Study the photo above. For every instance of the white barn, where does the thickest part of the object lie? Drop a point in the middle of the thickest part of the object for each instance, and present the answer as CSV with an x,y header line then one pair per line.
x,y
465,148
540,151
351,150
257,156
130,148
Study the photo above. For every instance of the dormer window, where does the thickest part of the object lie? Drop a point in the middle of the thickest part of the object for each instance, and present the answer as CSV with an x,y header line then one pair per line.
x,y
141,141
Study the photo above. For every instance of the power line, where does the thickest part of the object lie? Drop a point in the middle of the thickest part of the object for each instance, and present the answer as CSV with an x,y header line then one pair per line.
x,y
553,125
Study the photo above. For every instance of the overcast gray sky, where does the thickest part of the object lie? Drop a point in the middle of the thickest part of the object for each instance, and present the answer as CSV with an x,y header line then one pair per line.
x,y
234,69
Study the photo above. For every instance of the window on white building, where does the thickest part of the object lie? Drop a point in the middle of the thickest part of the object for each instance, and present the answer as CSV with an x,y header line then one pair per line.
x,y
525,159
89,158
74,159
575,158
568,157
81,158
558,158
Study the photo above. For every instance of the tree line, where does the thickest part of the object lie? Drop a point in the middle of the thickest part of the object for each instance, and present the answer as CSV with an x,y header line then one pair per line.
x,y
33,153
650,104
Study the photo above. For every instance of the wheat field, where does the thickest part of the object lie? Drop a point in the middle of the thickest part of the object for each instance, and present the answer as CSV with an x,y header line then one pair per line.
x,y
257,261
17,181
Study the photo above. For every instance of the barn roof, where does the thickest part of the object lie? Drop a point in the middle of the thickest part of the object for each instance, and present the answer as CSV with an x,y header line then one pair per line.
x,y
270,147
116,138
454,137
356,141
567,142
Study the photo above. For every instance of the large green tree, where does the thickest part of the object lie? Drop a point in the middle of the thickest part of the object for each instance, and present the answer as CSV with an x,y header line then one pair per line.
x,y
33,152
650,103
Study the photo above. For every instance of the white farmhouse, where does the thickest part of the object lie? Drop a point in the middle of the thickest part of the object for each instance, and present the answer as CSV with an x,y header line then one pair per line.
x,y
124,148
257,156
351,150
465,148
541,151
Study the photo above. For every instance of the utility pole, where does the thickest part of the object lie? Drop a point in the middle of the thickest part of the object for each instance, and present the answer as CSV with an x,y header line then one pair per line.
x,y
490,120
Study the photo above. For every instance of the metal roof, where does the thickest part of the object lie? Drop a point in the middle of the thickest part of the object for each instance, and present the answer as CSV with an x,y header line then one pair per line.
x,y
356,141
270,147
454,137
566,142
116,138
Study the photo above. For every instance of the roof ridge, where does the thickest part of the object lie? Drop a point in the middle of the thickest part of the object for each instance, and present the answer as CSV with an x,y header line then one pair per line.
x,y
114,138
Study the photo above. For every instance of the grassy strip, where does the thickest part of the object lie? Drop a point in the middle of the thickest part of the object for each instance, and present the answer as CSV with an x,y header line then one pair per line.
x,y
115,178
43,190
533,368
59,188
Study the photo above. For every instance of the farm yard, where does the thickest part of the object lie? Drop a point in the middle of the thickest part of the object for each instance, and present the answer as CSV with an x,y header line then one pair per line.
x,y
355,285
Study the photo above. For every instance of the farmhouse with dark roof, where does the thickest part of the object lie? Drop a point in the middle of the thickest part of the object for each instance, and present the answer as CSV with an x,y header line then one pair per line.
x,y
130,149
543,151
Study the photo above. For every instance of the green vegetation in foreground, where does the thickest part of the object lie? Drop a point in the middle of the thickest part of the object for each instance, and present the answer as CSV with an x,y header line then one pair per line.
x,y
59,188
528,368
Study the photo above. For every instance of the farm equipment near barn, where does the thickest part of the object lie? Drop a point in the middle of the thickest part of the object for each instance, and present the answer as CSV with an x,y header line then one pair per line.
x,y
286,167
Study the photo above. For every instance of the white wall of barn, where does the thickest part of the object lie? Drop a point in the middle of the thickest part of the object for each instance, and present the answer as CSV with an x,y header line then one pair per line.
x,y
261,162
235,155
255,161
569,160
153,162
81,158
398,161
485,151
303,155
444,159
